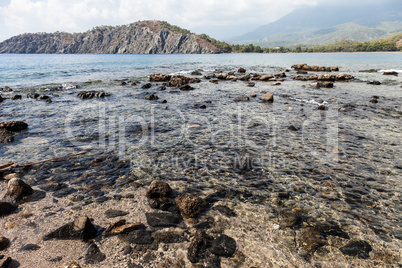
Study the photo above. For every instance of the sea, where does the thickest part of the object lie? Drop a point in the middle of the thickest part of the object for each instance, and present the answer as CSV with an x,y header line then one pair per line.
x,y
328,157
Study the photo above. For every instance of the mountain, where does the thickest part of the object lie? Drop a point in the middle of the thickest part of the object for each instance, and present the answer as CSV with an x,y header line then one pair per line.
x,y
143,37
328,24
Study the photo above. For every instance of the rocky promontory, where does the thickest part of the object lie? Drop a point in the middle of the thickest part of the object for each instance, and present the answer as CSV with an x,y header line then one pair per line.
x,y
143,37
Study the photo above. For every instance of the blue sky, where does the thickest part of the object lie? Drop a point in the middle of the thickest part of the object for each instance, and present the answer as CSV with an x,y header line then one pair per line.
x,y
219,19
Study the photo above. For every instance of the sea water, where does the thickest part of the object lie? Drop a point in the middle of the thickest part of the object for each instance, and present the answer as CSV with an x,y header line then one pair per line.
x,y
340,165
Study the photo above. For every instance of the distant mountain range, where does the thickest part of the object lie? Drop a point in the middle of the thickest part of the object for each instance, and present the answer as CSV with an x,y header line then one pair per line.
x,y
143,37
321,25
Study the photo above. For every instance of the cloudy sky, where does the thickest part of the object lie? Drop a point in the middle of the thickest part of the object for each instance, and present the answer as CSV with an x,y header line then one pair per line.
x,y
219,19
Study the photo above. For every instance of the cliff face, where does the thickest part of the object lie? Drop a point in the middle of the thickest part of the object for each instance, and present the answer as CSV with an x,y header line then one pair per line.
x,y
149,37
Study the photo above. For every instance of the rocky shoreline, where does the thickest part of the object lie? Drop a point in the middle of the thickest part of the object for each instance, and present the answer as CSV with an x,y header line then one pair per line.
x,y
128,216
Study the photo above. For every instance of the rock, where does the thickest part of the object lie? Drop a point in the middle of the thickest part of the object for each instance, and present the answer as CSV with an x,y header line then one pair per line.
x,y
241,98
222,76
146,86
120,227
322,107
17,97
32,95
151,97
163,219
17,189
6,136
231,73
289,218
276,84
1,99
280,75
122,83
253,95
196,73
180,80
168,237
190,206
360,249
266,77
163,101
391,73
80,229
91,94
6,208
310,239
335,68
231,77
42,97
14,126
245,77
161,88
251,84
139,237
374,100
224,246
160,77
6,89
241,70
374,83
4,243
186,87
322,84
214,81
93,254
198,247
111,213
267,97
344,77
158,189
293,128
30,247
5,262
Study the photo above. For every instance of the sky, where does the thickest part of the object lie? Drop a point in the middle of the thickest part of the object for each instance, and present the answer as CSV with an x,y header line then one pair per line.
x,y
219,19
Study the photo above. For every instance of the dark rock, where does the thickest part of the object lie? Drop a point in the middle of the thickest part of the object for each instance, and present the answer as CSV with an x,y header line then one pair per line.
x,y
276,84
168,237
17,189
281,75
322,107
224,246
122,83
360,249
205,223
222,76
160,77
310,239
186,87
391,73
374,83
190,206
139,237
4,243
180,80
241,70
93,254
266,77
6,136
16,97
335,68
158,189
32,95
146,86
43,97
344,77
254,95
293,128
1,99
6,208
151,97
80,229
163,101
91,94
163,219
214,81
30,247
267,97
251,84
200,106
196,73
289,218
245,77
161,88
241,98
6,262
374,100
198,247
14,126
111,213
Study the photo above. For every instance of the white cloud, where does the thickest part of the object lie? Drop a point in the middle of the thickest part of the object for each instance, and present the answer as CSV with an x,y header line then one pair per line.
x,y
21,16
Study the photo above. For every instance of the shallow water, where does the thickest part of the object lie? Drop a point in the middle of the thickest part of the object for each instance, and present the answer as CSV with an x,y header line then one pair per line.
x,y
341,165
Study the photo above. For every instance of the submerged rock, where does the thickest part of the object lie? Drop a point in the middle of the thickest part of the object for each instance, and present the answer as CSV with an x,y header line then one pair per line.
x,y
311,239
80,229
163,219
151,97
4,243
241,70
289,217
198,247
112,213
5,262
241,98
93,254
158,189
6,208
190,206
30,247
159,77
6,136
224,246
91,94
391,73
360,249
